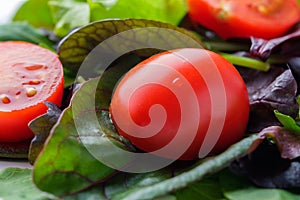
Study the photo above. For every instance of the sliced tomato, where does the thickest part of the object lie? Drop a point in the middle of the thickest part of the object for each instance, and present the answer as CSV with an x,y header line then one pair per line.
x,y
30,76
244,18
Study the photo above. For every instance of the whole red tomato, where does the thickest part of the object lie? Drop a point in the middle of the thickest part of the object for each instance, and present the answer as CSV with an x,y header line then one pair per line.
x,y
30,76
183,103
245,18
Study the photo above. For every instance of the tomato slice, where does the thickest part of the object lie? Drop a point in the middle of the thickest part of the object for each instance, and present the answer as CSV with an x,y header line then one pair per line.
x,y
244,18
30,76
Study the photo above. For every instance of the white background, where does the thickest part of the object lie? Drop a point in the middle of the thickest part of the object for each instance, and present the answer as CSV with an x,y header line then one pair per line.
x,y
8,8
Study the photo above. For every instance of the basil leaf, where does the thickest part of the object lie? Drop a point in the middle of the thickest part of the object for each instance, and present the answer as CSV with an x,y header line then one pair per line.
x,y
169,11
237,188
17,184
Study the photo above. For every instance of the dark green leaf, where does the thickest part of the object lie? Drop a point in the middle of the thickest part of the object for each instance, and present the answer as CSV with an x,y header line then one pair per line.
x,y
41,127
237,188
14,149
23,32
70,165
206,189
169,11
41,17
195,174
17,184
118,37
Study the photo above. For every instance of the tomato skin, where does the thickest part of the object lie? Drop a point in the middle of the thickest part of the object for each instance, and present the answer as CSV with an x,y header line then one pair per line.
x,y
245,18
45,72
144,97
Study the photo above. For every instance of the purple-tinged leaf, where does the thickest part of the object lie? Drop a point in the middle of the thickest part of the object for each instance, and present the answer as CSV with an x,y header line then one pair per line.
x,y
262,48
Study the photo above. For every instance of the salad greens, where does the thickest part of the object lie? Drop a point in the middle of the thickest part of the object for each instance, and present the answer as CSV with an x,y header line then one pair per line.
x,y
64,168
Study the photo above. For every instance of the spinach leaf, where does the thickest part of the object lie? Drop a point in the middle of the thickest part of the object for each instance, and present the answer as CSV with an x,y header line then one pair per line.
x,y
17,184
169,11
24,32
238,188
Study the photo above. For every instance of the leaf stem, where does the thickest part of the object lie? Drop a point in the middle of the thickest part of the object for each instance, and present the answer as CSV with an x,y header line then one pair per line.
x,y
246,62
207,167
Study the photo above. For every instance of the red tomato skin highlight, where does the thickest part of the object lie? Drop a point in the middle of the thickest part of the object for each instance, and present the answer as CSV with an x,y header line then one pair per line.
x,y
14,121
236,97
245,18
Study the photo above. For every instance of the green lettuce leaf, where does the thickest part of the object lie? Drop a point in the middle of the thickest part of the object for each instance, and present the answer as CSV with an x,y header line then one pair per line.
x,y
68,15
17,184
36,13
169,11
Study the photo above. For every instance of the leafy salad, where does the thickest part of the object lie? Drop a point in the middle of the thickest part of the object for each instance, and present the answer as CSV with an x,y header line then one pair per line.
x,y
264,164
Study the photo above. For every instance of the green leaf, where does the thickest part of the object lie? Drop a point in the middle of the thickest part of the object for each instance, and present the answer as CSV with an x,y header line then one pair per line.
x,y
40,18
68,15
195,174
237,188
208,189
17,184
70,165
23,32
120,36
169,11
41,128
288,122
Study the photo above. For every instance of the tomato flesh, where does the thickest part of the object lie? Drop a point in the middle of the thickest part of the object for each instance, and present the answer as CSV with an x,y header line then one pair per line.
x,y
245,18
147,86
30,76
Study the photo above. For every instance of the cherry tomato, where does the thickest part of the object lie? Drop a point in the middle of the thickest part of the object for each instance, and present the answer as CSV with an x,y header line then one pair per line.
x,y
30,76
180,98
244,18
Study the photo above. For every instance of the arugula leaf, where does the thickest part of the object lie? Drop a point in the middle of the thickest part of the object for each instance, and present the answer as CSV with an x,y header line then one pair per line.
x,y
24,32
237,188
17,184
169,11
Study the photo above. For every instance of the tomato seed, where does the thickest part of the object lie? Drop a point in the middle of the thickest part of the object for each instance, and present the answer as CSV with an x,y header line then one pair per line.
x,y
34,67
31,91
5,99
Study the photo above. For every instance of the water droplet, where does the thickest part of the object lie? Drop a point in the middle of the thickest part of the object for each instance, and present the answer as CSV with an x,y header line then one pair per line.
x,y
31,91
